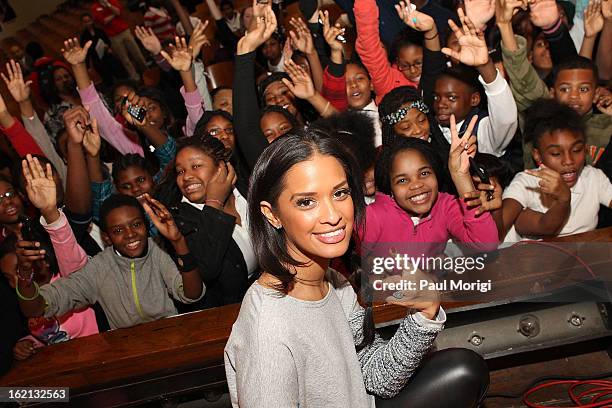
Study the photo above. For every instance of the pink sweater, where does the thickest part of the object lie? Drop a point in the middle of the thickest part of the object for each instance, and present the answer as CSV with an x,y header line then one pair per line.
x,y
110,129
70,258
386,222
385,77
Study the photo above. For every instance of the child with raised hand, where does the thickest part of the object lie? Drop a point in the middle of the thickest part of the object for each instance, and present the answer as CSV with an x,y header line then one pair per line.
x,y
301,85
182,57
562,196
132,278
574,84
455,93
409,207
110,129
34,129
39,264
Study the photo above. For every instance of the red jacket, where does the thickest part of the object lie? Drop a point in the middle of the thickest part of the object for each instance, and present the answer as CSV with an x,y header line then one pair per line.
x,y
334,90
22,141
385,76
116,26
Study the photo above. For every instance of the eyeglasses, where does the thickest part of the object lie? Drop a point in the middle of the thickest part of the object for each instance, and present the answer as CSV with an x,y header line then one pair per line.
x,y
217,131
8,195
404,66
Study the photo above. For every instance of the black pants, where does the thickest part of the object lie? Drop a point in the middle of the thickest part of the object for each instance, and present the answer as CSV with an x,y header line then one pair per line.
x,y
453,378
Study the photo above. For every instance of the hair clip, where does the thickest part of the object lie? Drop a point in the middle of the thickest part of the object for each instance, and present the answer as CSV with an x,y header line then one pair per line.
x,y
401,113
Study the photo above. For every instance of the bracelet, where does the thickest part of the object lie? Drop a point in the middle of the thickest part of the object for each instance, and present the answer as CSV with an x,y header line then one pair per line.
x,y
431,38
186,263
20,296
553,27
214,200
326,108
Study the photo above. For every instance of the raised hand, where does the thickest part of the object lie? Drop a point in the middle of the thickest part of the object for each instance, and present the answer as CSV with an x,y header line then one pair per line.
x,y
77,124
480,12
161,217
301,84
148,39
198,39
551,183
301,38
181,55
91,140
73,52
287,50
473,50
134,100
414,18
19,89
261,30
543,13
487,197
603,100
221,185
506,9
606,9
593,19
331,33
40,185
461,148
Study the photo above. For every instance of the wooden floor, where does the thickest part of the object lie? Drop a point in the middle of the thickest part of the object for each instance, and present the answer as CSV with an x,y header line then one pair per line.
x,y
584,359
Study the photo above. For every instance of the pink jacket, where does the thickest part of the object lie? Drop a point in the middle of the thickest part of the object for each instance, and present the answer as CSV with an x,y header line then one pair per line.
x,y
110,129
385,77
193,104
386,222
70,258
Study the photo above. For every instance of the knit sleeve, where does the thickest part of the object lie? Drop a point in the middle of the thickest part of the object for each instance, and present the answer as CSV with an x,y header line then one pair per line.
x,y
387,366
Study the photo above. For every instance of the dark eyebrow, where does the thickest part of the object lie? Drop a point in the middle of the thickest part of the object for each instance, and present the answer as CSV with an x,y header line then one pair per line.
x,y
312,193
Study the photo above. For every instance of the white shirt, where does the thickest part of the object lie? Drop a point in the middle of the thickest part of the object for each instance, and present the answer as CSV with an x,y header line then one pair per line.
x,y
592,189
280,67
372,111
241,232
496,131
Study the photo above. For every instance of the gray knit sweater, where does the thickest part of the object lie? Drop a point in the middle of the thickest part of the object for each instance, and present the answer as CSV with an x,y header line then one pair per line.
x,y
285,352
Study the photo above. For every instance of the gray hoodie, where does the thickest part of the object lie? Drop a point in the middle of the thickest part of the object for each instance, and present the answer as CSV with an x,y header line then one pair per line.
x,y
130,290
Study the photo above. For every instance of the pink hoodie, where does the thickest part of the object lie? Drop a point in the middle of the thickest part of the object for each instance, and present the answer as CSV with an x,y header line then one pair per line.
x,y
387,222
70,258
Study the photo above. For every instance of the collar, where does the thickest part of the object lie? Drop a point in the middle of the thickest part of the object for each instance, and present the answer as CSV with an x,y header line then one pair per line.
x,y
370,107
200,207
280,67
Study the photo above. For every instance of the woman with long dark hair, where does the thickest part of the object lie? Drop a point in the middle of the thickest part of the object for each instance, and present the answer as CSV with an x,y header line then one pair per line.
x,y
301,338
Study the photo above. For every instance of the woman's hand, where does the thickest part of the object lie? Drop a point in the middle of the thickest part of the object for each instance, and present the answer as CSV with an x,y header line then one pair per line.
x,y
161,217
133,100
301,84
198,39
24,349
480,12
40,185
19,89
220,187
544,13
426,301
487,197
181,55
73,52
301,38
593,19
413,18
261,31
148,39
474,51
331,33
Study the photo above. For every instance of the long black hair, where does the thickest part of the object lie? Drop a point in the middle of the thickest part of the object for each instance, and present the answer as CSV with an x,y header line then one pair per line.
x,y
267,183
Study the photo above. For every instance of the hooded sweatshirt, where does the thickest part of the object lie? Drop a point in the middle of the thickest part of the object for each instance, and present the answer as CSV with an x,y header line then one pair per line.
x,y
131,291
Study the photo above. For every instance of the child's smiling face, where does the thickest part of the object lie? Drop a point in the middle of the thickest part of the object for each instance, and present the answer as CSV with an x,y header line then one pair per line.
x,y
452,96
413,182
126,229
562,151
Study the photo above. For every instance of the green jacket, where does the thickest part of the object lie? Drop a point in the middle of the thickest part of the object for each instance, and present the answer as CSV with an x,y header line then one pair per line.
x,y
527,87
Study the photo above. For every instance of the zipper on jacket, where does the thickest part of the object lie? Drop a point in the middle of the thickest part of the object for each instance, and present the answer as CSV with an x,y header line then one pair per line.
x,y
135,291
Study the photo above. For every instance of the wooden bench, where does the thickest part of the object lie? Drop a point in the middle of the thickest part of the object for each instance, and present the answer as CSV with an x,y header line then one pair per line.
x,y
165,358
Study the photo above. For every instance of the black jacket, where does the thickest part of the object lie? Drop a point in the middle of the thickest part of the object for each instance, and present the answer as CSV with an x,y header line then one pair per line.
x,y
220,261
12,323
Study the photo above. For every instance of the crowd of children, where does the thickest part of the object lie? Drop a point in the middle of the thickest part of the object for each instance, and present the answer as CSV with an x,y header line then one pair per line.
x,y
125,203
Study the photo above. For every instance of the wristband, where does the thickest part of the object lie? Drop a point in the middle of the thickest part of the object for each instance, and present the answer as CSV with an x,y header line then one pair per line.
x,y
20,296
552,28
432,37
186,262
213,200
28,279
